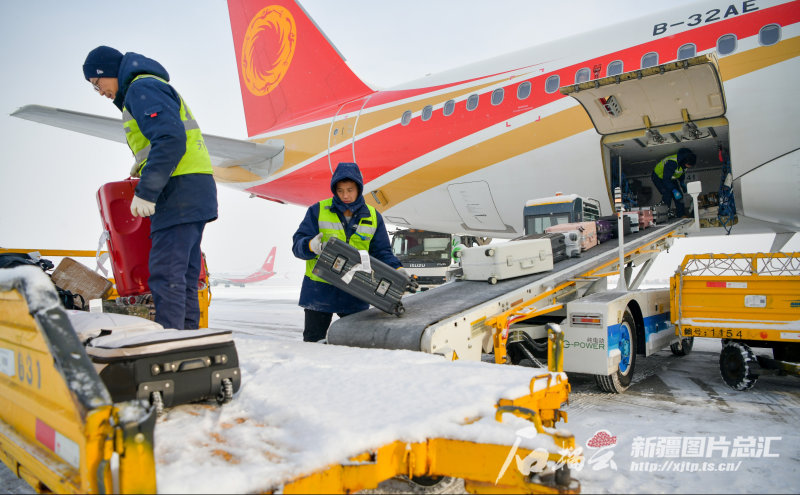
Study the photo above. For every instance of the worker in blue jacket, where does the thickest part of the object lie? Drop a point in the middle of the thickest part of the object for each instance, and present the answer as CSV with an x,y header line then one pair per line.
x,y
668,177
349,218
177,188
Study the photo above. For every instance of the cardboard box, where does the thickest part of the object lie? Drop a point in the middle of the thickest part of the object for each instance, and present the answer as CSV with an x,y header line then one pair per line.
x,y
79,279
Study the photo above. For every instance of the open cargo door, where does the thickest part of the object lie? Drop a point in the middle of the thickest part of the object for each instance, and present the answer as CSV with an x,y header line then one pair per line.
x,y
676,92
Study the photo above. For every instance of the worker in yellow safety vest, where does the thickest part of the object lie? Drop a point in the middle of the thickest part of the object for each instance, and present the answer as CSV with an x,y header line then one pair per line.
x,y
345,216
668,177
176,189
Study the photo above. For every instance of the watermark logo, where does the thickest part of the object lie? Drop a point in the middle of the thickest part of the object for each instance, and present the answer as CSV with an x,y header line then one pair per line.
x,y
537,460
602,440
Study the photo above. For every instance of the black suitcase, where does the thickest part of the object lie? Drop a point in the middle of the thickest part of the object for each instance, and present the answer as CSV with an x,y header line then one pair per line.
x,y
165,367
660,214
626,225
557,243
339,265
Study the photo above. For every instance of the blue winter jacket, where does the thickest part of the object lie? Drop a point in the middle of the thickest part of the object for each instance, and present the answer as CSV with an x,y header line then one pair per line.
x,y
320,296
181,199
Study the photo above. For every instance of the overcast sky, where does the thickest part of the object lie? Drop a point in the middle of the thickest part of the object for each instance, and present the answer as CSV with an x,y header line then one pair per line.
x,y
49,177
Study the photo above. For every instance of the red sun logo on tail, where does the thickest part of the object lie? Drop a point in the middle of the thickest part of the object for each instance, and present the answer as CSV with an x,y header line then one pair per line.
x,y
267,49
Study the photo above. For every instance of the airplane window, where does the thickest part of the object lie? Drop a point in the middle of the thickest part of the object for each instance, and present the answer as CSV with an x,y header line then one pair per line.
x,y
727,44
614,68
650,60
769,35
406,117
551,86
426,113
582,75
472,102
524,90
687,51
449,107
497,96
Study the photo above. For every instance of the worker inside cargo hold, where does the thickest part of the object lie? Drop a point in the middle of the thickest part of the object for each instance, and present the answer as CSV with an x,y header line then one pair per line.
x,y
176,189
347,217
669,178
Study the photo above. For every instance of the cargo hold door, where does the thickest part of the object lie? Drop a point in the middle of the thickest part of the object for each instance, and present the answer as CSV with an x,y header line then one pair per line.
x,y
673,93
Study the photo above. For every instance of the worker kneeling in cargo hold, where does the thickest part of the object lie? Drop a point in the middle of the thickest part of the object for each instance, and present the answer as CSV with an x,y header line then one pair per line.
x,y
177,186
669,179
349,218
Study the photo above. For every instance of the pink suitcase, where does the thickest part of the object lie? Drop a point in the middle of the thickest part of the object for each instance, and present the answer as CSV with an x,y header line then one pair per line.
x,y
646,219
588,232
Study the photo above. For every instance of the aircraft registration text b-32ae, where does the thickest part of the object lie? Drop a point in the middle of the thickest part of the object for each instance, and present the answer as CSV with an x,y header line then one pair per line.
x,y
710,16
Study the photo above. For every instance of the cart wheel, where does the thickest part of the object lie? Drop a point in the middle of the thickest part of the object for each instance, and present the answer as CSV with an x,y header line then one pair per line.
x,y
489,252
157,402
734,366
620,380
225,392
685,348
400,311
427,484
492,280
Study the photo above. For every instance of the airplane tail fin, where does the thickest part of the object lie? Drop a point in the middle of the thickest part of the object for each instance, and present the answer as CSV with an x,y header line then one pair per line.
x,y
287,66
270,261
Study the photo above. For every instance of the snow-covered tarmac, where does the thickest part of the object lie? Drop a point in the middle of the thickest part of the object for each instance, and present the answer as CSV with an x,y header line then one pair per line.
x,y
678,429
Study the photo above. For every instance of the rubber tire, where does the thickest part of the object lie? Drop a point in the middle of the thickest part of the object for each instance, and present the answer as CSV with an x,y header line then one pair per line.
x,y
618,382
734,366
492,280
489,252
686,347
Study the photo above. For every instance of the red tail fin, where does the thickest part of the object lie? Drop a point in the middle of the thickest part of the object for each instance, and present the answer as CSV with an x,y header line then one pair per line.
x,y
270,261
287,66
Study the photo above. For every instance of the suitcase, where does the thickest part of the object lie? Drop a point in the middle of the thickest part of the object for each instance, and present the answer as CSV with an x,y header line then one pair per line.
x,y
588,232
507,260
660,213
557,244
604,231
634,218
573,240
626,225
138,359
128,238
340,264
645,218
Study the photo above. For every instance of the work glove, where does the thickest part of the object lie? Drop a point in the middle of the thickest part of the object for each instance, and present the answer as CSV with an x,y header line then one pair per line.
x,y
413,285
135,170
142,208
316,245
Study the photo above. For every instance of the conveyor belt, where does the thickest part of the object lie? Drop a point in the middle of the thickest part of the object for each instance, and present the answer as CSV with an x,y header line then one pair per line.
x,y
375,329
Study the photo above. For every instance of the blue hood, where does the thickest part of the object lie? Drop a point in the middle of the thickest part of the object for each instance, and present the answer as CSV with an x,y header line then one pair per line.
x,y
348,171
134,65
685,155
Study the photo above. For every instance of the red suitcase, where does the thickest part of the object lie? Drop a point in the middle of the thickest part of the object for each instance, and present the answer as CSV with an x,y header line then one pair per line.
x,y
129,238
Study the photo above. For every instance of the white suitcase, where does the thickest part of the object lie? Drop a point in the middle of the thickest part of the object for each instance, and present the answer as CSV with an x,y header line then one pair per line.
x,y
507,260
634,220
573,240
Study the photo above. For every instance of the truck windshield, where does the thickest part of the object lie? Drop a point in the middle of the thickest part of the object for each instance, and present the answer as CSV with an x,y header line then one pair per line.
x,y
536,224
418,246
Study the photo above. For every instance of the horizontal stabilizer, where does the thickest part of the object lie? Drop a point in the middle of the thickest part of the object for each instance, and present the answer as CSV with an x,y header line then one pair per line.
x,y
225,152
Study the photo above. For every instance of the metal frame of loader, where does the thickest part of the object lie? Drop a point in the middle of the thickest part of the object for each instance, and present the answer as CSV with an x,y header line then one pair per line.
x,y
746,300
59,429
204,294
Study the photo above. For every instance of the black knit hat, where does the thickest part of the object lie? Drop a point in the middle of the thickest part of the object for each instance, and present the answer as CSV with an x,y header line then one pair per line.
x,y
103,61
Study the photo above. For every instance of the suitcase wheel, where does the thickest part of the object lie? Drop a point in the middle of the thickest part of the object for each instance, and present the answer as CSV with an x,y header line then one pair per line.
x,y
225,392
492,280
399,311
489,252
157,402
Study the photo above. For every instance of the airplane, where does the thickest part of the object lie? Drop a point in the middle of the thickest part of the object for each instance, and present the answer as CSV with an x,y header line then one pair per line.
x,y
461,151
260,275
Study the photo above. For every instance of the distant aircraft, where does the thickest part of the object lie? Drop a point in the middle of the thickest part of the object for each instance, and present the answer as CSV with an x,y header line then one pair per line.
x,y
260,275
